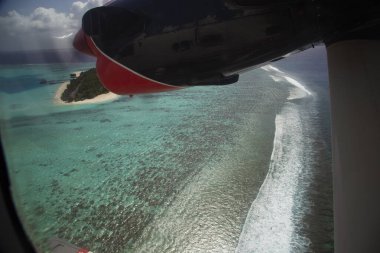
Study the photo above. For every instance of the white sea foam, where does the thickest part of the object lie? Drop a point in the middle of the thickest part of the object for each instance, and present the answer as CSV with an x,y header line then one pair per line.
x,y
297,84
273,219
295,93
275,69
269,225
280,76
276,78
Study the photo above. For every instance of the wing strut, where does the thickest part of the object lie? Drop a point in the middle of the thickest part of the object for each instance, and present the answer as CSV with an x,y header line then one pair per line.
x,y
354,70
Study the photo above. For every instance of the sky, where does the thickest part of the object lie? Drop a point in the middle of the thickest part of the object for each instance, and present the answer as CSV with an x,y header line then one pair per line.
x,y
41,24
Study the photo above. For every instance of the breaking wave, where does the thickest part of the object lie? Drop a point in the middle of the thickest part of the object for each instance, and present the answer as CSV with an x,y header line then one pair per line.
x,y
271,223
277,75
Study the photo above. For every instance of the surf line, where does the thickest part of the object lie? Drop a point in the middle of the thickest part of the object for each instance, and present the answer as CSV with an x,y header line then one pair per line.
x,y
270,222
280,76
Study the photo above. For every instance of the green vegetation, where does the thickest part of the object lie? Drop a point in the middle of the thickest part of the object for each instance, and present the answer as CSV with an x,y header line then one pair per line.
x,y
85,86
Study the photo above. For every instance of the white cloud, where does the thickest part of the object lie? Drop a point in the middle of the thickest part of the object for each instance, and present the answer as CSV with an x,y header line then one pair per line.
x,y
42,27
78,8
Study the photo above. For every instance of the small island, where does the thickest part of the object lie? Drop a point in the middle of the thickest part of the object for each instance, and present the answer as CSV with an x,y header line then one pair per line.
x,y
83,88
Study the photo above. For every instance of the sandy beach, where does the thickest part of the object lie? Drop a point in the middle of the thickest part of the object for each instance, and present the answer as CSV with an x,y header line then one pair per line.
x,y
98,99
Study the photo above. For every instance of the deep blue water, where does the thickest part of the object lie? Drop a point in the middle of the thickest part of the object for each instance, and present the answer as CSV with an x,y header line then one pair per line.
x,y
184,171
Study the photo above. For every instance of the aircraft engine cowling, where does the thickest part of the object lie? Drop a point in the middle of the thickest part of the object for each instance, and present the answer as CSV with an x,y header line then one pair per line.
x,y
152,46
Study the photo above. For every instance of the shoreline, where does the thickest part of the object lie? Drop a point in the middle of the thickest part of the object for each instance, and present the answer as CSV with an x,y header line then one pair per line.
x,y
271,222
215,184
98,99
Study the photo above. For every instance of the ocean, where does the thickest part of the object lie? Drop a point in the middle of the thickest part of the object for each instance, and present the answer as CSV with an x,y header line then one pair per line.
x,y
238,168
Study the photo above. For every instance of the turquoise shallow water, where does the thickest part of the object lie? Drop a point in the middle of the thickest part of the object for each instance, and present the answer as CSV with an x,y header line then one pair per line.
x,y
21,91
170,172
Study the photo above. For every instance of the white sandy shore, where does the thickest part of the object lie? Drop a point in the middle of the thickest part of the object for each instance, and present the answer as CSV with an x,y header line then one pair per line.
x,y
98,99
